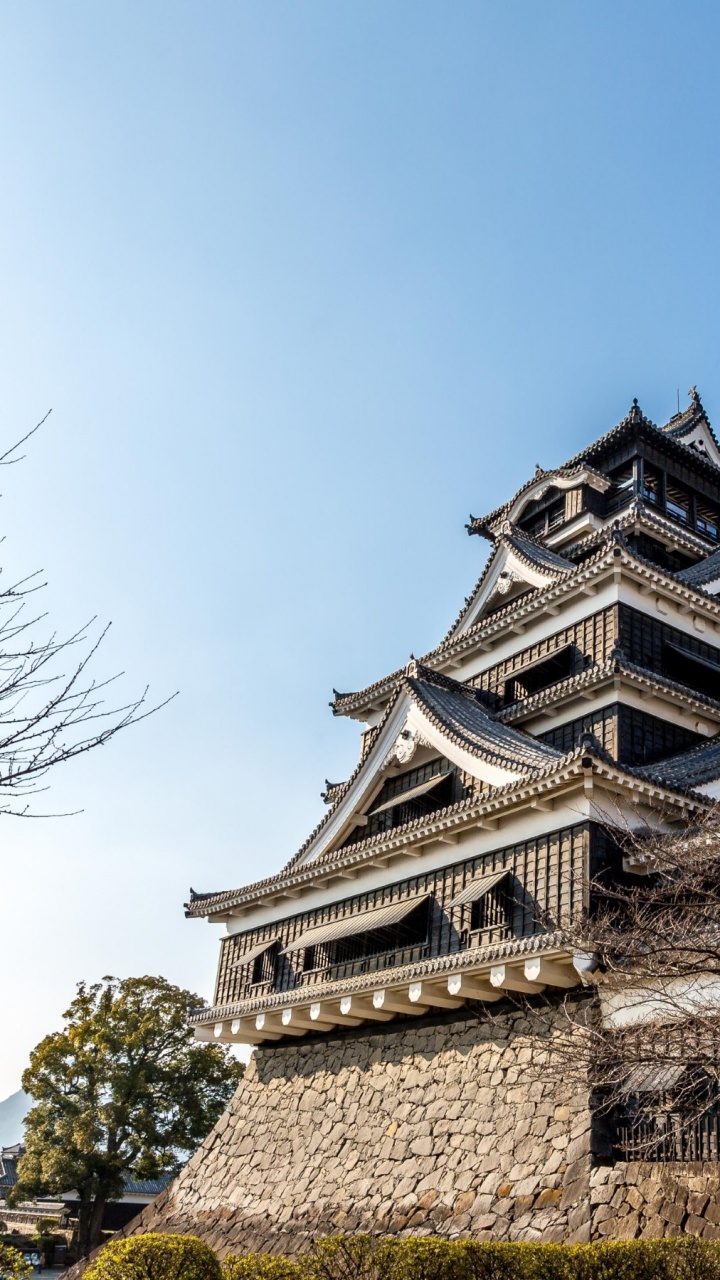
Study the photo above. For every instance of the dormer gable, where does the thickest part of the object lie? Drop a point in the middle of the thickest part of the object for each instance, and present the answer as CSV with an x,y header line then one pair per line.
x,y
517,564
692,428
434,721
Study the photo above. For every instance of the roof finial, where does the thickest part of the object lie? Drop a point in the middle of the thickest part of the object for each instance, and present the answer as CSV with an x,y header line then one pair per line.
x,y
696,401
412,667
538,469
636,412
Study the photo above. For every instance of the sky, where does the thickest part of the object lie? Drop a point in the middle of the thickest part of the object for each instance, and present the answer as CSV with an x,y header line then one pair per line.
x,y
304,284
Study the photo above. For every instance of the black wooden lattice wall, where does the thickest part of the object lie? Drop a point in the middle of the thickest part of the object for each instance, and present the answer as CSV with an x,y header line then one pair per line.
x,y
546,882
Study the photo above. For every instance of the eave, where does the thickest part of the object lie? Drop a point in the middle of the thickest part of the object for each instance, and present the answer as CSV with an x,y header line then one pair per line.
x,y
584,768
617,671
483,974
634,424
611,559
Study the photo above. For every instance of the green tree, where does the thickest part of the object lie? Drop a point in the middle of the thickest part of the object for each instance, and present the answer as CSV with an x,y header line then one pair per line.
x,y
12,1264
124,1089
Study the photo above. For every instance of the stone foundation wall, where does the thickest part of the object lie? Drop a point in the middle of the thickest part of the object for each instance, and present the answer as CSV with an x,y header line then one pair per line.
x,y
428,1128
447,1128
639,1199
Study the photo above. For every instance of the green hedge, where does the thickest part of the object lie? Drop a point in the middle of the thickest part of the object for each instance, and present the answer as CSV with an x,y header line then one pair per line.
x,y
362,1257
427,1258
155,1257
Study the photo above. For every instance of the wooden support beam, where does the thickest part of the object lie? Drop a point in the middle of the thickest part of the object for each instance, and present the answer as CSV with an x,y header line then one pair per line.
x,y
363,1007
472,988
270,1028
585,965
446,837
506,978
301,1018
243,1031
397,1002
321,1012
431,995
550,972
537,802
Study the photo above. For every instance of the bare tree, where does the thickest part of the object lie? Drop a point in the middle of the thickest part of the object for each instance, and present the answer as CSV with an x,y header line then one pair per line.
x,y
646,1037
51,706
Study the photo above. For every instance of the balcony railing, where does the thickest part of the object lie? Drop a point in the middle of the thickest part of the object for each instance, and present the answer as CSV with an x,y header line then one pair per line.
x,y
366,964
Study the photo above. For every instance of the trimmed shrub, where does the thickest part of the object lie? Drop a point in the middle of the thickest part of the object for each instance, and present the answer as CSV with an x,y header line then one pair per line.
x,y
12,1264
262,1266
155,1257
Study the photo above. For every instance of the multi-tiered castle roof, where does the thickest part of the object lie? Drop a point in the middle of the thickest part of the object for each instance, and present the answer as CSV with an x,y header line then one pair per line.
x,y
577,692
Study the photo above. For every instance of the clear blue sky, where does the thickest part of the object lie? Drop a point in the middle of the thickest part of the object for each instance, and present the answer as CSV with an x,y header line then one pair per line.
x,y
305,283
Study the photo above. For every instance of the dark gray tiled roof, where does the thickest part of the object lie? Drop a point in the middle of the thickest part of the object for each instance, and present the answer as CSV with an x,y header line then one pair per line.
x,y
146,1186
458,713
542,557
704,571
692,768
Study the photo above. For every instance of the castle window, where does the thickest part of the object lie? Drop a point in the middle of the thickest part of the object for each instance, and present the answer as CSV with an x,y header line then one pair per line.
x,y
677,502
488,901
556,514
700,674
260,961
557,666
389,928
707,520
403,799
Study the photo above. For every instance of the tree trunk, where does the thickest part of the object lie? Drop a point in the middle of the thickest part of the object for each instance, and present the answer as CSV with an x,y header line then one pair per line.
x,y
83,1228
96,1217
90,1216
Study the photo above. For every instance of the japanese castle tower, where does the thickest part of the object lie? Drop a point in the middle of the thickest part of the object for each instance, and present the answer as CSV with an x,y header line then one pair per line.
x,y
378,973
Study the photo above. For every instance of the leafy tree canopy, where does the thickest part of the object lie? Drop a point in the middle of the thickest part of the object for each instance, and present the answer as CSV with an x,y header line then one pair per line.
x,y
123,1089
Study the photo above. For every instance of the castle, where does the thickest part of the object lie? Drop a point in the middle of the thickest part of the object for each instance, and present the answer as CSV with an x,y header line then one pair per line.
x,y
379,972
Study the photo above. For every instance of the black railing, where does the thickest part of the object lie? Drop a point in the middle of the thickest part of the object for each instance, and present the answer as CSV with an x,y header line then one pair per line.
x,y
668,1136
366,964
